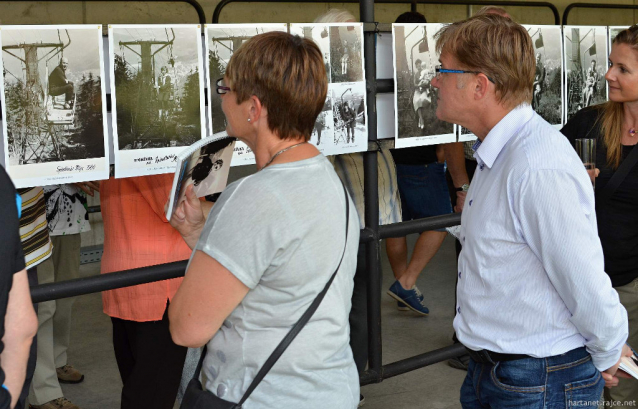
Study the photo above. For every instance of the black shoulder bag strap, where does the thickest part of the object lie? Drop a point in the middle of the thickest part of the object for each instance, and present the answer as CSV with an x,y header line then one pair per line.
x,y
618,176
294,331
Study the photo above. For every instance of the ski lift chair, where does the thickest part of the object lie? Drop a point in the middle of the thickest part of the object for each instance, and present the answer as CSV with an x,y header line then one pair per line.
x,y
57,114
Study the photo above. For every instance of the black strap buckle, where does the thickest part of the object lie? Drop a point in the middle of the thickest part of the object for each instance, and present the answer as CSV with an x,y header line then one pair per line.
x,y
483,356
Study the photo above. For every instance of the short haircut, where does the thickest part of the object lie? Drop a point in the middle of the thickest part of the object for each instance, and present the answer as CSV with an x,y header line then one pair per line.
x,y
499,48
493,10
411,17
335,16
287,74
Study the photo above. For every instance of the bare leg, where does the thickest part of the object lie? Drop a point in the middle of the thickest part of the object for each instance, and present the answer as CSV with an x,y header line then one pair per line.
x,y
425,248
397,249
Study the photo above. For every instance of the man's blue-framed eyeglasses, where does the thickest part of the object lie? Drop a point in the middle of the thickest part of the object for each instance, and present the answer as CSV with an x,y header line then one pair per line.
x,y
438,69
221,87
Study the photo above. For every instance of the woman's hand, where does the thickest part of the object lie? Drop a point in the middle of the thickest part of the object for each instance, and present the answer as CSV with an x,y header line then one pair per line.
x,y
189,218
593,174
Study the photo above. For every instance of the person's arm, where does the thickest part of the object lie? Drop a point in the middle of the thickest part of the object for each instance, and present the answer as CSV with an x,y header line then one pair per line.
x,y
556,218
455,159
190,217
20,326
208,294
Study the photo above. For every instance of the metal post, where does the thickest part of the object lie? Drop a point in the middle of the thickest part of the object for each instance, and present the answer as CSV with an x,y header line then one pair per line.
x,y
373,266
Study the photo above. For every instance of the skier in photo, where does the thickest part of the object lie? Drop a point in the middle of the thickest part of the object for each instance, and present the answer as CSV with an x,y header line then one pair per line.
x,y
349,120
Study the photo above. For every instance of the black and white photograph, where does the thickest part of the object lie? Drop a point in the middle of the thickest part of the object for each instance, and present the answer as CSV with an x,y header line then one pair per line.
x,y
52,101
343,115
204,165
319,33
585,67
415,60
348,120
346,52
222,40
157,93
547,98
207,171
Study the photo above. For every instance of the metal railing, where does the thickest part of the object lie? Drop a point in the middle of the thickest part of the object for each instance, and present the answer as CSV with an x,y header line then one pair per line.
x,y
572,6
413,4
200,11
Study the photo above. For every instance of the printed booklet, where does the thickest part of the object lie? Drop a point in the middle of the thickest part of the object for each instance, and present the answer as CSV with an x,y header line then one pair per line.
x,y
628,364
205,165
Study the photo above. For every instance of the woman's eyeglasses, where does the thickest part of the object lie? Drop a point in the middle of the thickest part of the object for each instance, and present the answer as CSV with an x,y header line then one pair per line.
x,y
221,87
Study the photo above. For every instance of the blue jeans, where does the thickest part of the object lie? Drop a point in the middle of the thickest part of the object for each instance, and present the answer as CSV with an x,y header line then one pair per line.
x,y
569,380
423,190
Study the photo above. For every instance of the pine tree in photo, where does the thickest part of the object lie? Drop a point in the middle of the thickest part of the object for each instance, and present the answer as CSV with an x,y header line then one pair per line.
x,y
190,120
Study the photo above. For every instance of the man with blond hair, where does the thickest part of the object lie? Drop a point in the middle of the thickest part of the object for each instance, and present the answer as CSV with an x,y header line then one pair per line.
x,y
535,309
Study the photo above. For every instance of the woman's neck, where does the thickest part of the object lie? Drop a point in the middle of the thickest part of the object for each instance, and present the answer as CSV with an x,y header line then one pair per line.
x,y
266,147
631,113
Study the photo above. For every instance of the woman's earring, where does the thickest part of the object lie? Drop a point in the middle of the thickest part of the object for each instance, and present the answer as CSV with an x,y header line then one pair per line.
x,y
248,119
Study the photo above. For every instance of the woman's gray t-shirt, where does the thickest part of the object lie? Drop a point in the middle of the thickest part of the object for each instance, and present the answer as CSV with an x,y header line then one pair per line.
x,y
281,233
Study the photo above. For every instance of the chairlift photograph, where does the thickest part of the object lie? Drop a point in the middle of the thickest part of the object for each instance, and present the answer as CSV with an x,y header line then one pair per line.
x,y
346,52
585,67
52,98
415,60
547,98
157,98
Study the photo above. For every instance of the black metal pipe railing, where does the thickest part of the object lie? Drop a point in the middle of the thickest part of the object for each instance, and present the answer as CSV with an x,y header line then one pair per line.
x,y
200,11
105,282
371,195
126,278
418,226
220,6
572,6
413,363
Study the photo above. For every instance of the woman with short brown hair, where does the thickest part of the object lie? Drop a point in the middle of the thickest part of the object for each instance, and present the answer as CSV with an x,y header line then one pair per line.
x,y
271,242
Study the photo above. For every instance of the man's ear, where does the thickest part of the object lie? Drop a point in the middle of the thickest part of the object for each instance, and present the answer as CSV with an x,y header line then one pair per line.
x,y
482,85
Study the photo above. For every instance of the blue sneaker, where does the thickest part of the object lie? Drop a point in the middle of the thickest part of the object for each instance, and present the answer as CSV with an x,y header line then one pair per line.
x,y
402,307
410,298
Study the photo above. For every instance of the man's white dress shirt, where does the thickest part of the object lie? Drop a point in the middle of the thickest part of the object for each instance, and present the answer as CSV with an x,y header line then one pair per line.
x,y
531,272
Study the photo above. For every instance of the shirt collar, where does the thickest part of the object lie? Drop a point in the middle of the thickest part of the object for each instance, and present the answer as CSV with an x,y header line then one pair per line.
x,y
487,151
